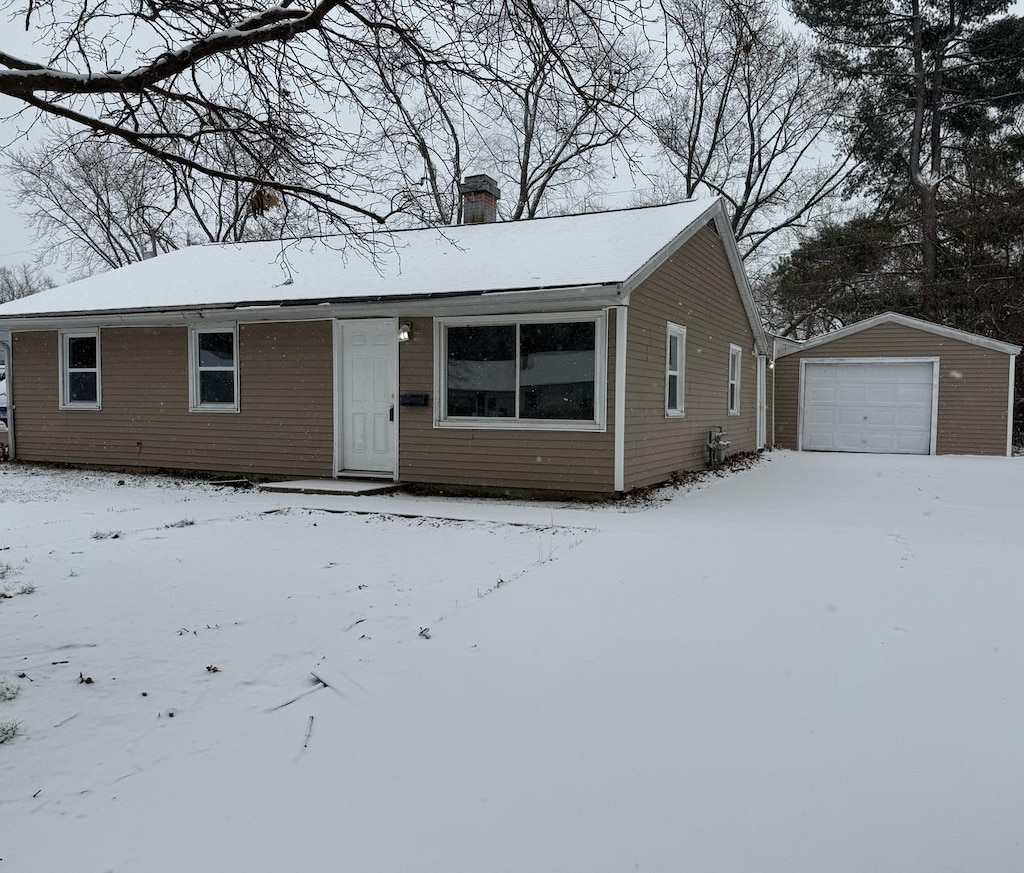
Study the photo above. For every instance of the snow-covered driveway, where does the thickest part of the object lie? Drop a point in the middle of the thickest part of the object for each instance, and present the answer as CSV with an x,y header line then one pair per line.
x,y
813,665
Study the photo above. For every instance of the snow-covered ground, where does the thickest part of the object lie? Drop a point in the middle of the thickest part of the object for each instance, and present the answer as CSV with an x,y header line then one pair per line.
x,y
814,665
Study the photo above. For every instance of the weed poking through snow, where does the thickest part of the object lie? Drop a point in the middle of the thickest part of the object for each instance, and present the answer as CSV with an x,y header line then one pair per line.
x,y
9,729
184,522
9,590
8,689
106,534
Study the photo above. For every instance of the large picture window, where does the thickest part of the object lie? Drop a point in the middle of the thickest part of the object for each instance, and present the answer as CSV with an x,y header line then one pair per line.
x,y
80,369
537,371
213,362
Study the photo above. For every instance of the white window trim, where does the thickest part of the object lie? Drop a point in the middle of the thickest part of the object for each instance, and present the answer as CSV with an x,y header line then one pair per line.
x,y
193,368
62,362
441,419
676,330
738,352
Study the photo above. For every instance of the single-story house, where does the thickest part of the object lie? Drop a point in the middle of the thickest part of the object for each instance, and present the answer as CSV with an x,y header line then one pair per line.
x,y
895,384
590,353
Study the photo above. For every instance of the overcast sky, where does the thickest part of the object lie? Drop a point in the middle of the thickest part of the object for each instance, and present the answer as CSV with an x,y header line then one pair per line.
x,y
15,240
16,243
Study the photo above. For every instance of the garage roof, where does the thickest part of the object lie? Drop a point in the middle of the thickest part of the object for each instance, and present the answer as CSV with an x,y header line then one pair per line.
x,y
906,321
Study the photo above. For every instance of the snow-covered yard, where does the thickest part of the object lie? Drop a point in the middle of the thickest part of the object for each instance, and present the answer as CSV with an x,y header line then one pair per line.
x,y
812,665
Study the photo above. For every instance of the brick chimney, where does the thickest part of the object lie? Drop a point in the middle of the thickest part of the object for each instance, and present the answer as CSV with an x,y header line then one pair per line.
x,y
480,196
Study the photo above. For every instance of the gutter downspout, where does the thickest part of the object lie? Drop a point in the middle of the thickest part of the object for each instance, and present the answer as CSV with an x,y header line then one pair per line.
x,y
5,342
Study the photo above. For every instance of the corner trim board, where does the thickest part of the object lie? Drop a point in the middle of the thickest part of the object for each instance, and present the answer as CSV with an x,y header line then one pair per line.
x,y
1009,407
621,325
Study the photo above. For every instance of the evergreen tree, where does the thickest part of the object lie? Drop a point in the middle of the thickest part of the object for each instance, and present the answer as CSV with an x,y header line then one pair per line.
x,y
940,84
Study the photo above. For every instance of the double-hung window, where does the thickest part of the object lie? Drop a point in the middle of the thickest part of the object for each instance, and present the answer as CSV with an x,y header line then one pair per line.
x,y
80,369
675,370
544,372
735,364
213,368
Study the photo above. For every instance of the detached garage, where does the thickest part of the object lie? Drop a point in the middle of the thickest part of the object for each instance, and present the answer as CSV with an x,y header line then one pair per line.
x,y
898,385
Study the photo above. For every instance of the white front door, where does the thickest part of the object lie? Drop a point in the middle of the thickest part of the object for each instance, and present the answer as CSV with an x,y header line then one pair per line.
x,y
366,355
870,406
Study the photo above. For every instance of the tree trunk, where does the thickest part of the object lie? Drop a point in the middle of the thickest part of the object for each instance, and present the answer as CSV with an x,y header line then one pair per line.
x,y
929,252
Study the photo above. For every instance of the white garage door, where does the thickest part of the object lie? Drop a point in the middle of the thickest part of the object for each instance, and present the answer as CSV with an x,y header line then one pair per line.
x,y
868,406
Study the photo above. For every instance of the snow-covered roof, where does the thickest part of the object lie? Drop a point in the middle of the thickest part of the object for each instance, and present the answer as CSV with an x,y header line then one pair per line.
x,y
597,249
906,321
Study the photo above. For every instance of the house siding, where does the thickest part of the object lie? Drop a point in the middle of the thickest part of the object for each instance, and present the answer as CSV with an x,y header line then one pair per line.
x,y
511,459
973,385
695,288
284,426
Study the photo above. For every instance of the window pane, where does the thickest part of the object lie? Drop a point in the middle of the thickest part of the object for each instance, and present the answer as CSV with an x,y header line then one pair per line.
x,y
734,360
81,387
556,371
733,400
81,352
216,349
673,352
482,371
673,392
217,386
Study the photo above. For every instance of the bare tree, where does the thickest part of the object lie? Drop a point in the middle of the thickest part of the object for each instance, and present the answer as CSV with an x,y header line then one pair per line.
x,y
21,280
543,135
748,118
285,81
552,132
99,205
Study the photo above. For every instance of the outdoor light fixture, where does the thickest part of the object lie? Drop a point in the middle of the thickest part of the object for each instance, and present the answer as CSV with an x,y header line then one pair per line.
x,y
404,331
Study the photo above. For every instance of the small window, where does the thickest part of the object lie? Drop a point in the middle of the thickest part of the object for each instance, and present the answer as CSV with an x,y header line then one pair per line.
x,y
80,369
213,362
675,370
735,362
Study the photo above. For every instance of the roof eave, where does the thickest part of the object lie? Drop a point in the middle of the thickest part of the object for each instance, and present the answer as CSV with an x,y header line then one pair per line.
x,y
906,321
714,212
513,299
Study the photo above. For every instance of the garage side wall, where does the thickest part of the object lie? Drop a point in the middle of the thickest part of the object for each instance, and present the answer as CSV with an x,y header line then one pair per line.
x,y
511,459
973,386
695,289
285,389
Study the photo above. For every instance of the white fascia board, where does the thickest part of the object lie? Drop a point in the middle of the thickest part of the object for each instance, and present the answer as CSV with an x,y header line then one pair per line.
x,y
539,300
715,212
906,321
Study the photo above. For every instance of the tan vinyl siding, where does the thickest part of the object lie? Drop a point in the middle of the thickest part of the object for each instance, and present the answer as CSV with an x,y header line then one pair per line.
x,y
517,459
973,385
284,426
696,289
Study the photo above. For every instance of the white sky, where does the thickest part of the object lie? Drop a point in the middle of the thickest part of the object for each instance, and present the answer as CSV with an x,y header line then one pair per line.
x,y
16,242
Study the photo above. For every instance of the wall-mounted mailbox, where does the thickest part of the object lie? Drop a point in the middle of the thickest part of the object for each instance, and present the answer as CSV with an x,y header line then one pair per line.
x,y
414,400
